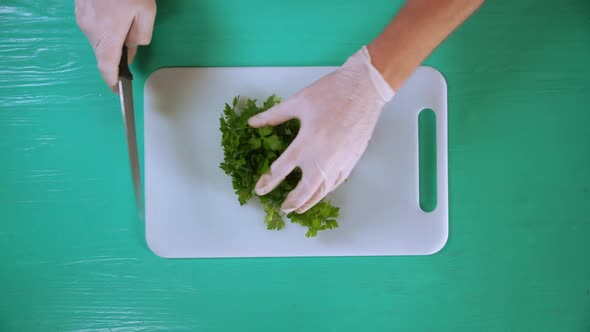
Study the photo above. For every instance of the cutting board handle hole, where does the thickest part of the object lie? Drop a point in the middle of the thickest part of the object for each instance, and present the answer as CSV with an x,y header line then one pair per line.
x,y
427,159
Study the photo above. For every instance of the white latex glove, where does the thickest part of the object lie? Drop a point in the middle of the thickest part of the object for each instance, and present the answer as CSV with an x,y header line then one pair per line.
x,y
108,24
338,114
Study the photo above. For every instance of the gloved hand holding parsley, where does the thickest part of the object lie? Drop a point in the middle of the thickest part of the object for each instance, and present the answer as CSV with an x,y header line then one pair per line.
x,y
248,154
338,112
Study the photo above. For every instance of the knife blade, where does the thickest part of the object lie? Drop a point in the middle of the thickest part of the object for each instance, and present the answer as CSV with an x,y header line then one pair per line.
x,y
126,96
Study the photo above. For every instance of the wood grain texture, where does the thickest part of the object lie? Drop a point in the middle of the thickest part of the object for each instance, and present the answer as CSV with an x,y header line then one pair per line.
x,y
72,253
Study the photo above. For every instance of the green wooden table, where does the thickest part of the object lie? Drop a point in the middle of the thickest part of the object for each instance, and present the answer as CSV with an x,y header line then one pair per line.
x,y
72,252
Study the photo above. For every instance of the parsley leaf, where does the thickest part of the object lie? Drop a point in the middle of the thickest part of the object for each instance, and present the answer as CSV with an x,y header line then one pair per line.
x,y
249,152
273,143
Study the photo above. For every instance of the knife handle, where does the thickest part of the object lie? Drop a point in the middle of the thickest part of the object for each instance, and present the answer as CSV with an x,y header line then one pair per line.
x,y
124,66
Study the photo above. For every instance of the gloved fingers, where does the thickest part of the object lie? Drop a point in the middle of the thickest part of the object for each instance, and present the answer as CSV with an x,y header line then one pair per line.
x,y
141,31
319,194
342,176
276,115
108,50
142,27
304,190
280,168
323,191
110,24
131,52
83,11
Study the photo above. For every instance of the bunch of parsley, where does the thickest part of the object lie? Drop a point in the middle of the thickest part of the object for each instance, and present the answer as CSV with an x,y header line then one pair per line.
x,y
248,154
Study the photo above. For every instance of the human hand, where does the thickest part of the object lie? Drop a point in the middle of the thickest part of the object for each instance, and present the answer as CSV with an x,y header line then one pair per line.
x,y
338,114
108,24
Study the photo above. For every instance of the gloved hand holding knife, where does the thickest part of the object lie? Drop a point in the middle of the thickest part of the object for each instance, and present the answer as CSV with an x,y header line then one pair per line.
x,y
115,28
111,24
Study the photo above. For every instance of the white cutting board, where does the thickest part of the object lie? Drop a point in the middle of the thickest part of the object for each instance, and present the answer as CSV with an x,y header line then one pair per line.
x,y
192,211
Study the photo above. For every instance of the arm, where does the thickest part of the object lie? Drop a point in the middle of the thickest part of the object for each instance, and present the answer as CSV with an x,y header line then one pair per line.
x,y
419,27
